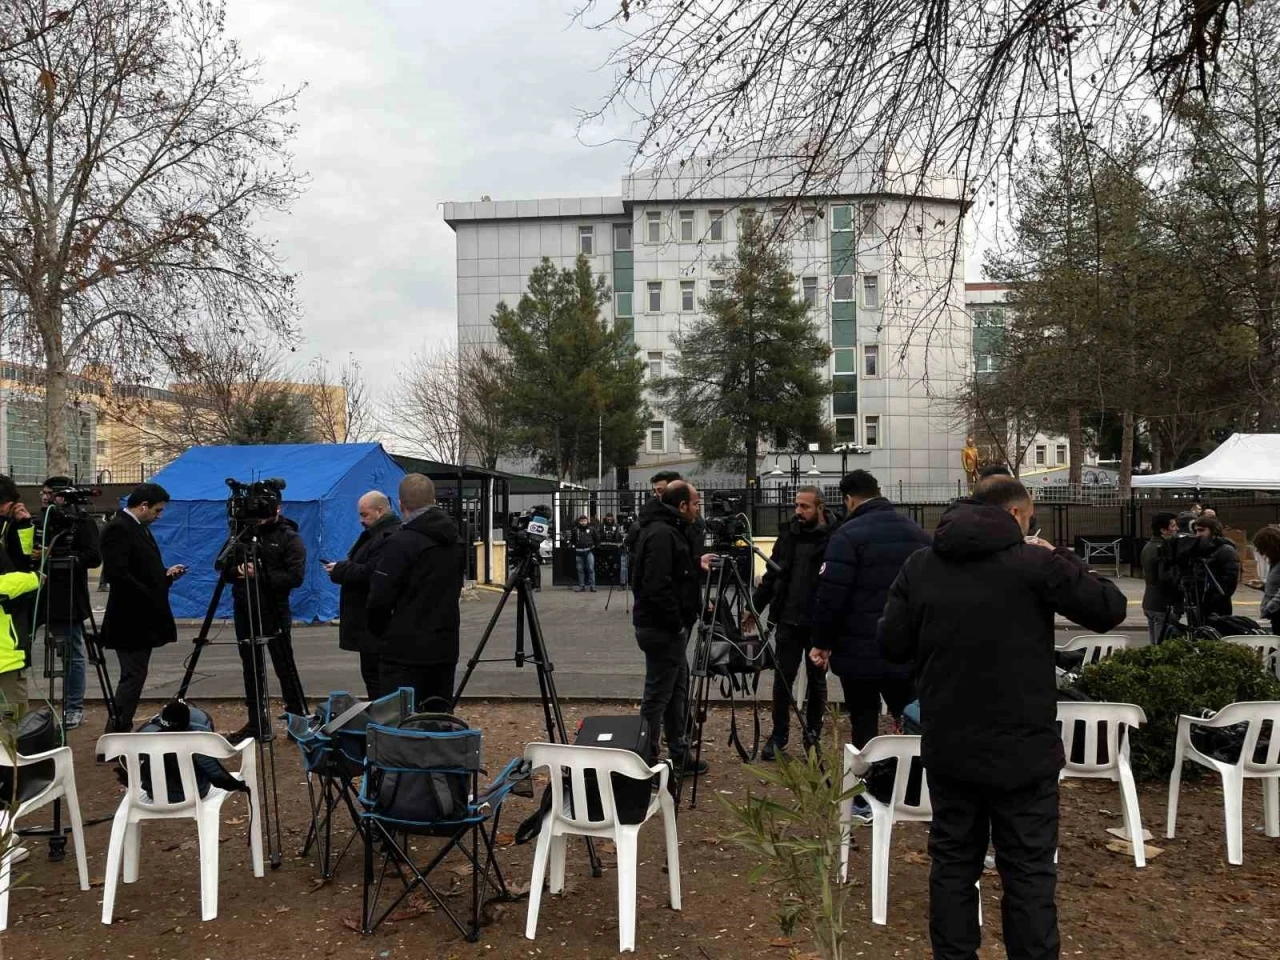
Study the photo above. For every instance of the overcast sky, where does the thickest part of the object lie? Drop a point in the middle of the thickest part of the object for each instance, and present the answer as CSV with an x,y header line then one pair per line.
x,y
409,104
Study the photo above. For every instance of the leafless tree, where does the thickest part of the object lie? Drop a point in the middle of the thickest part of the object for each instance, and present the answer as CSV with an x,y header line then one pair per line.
x,y
447,406
339,402
137,155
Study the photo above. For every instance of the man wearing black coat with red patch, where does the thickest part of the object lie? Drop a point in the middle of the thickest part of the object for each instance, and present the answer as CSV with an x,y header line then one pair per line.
x,y
975,617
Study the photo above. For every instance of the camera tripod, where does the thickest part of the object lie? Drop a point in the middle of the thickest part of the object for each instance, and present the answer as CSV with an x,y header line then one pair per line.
x,y
1193,589
726,596
626,587
57,653
519,583
242,548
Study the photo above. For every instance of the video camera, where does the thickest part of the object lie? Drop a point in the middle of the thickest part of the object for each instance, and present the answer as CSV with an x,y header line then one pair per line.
x,y
726,521
1182,565
63,515
527,532
255,501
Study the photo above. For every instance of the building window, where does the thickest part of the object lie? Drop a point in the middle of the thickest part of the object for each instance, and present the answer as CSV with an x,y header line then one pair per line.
x,y
1060,454
681,446
586,240
657,436
810,229
716,287
779,215
655,364
871,291
810,287
841,218
717,225
842,288
100,447
867,211
1041,454
871,431
655,297
686,226
622,304
686,296
871,360
622,236
653,226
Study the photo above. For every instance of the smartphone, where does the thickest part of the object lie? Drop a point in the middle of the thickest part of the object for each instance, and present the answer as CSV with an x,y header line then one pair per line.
x,y
323,560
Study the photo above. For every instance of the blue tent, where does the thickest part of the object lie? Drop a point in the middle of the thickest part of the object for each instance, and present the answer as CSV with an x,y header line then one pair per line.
x,y
324,482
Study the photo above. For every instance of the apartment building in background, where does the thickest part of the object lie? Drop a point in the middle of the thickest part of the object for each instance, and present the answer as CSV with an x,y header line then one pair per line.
x,y
878,269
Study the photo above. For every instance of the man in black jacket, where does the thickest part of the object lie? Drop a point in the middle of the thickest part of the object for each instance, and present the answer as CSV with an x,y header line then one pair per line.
x,y
583,540
138,618
414,596
974,615
261,582
1157,603
353,576
665,579
1224,567
863,557
69,547
788,592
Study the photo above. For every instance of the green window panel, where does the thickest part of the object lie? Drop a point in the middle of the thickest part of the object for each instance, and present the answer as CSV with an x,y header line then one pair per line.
x,y
842,253
843,311
844,361
624,279
624,308
841,217
842,333
624,324
623,260
844,403
846,429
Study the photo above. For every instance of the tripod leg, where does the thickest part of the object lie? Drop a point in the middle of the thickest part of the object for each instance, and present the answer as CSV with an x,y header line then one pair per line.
x,y
507,589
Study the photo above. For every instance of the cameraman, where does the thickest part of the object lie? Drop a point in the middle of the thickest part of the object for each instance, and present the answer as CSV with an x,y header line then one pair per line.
x,y
17,534
788,593
69,547
666,605
1224,567
1157,604
612,533
260,595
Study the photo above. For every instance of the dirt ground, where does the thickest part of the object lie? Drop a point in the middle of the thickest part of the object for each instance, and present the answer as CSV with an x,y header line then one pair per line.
x,y
1188,902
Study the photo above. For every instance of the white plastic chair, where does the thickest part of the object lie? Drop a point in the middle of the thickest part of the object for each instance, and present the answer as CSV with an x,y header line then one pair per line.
x,y
1267,646
903,748
62,786
570,818
136,806
1106,758
1255,714
1098,647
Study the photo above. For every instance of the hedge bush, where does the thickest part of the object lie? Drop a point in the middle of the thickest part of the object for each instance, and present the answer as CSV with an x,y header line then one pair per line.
x,y
1172,678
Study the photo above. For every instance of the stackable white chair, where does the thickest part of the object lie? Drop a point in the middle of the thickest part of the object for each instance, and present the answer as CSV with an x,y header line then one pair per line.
x,y
126,828
1098,647
1266,645
903,748
569,816
1105,755
1255,714
35,791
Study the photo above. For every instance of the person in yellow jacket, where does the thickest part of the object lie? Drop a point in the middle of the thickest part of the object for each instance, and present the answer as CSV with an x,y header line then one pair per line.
x,y
17,543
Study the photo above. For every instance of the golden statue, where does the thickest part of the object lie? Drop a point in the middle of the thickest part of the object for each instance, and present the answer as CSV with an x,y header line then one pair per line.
x,y
969,460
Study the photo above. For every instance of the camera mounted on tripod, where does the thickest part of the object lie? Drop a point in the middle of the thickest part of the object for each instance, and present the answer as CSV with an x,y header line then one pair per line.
x,y
62,516
527,532
255,501
727,521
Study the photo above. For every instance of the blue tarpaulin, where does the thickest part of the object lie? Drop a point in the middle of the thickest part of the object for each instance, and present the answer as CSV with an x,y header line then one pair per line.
x,y
324,482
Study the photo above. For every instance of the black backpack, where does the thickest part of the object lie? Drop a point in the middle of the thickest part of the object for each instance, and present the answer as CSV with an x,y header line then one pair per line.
x,y
403,789
36,732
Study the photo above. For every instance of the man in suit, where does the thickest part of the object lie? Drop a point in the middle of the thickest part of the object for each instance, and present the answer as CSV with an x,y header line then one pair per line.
x,y
353,575
414,595
138,618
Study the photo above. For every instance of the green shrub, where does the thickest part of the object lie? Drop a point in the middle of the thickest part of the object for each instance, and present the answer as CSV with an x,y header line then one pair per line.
x,y
1174,678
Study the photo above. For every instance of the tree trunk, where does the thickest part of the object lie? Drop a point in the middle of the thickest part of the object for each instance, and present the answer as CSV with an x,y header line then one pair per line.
x,y
753,456
1075,446
57,456
1126,454
1156,438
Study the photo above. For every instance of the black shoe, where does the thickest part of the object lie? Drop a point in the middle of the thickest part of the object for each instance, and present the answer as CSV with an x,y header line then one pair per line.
x,y
688,767
771,749
247,732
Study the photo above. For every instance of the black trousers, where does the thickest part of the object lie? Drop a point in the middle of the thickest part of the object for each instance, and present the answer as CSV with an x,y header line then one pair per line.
x,y
429,680
665,704
369,674
253,663
1022,824
792,645
133,676
862,700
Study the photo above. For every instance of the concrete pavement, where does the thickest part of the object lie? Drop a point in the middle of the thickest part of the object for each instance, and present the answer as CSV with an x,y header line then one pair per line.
x,y
592,649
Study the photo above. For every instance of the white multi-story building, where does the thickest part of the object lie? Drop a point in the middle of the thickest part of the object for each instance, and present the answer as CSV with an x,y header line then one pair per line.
x,y
879,269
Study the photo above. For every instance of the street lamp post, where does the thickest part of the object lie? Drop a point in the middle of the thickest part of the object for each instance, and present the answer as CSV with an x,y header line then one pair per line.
x,y
846,449
795,459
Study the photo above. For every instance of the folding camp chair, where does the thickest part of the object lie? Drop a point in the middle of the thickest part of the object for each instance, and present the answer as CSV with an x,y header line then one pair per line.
x,y
333,745
421,781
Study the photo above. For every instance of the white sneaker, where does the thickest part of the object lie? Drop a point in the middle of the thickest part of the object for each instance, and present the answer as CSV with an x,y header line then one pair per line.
x,y
72,719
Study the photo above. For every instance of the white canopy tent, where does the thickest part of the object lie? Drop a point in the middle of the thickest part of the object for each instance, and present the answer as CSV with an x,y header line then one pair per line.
x,y
1244,461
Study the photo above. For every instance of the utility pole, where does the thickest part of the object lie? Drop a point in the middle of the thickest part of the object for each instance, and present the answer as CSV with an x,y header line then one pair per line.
x,y
599,450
